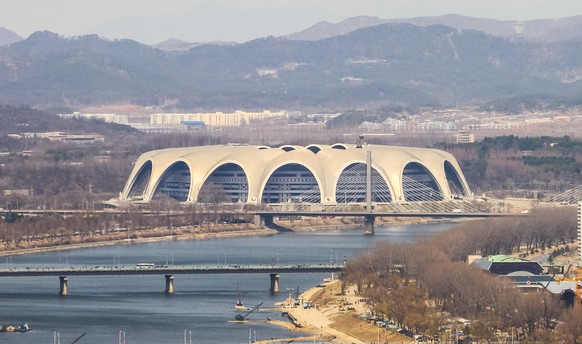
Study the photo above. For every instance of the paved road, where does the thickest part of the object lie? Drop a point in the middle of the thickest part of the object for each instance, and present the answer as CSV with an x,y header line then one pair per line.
x,y
168,270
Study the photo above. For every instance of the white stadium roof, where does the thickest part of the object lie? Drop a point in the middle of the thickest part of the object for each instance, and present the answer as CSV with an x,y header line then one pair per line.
x,y
314,173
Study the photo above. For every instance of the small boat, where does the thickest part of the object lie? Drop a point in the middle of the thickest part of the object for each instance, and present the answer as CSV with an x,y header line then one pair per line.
x,y
239,303
15,328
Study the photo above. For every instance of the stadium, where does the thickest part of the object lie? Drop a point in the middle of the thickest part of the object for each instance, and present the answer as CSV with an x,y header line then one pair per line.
x,y
314,174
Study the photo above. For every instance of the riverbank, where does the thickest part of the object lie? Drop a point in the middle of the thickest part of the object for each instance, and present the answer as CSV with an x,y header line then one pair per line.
x,y
201,304
333,316
206,232
113,239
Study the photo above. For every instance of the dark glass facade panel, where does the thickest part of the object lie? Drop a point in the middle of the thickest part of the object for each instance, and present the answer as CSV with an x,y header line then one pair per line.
x,y
418,184
230,180
351,186
175,182
291,183
454,181
141,181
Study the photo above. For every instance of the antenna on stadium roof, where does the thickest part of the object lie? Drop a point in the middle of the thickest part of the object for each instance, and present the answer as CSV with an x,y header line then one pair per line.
x,y
360,143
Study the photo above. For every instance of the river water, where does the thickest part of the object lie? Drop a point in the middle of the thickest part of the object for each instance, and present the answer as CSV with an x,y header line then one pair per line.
x,y
102,307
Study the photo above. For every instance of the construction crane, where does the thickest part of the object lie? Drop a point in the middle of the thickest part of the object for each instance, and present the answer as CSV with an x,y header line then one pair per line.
x,y
79,338
578,285
572,297
240,317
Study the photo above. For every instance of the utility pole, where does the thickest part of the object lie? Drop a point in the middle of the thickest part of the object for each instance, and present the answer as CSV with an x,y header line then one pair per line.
x,y
369,181
369,218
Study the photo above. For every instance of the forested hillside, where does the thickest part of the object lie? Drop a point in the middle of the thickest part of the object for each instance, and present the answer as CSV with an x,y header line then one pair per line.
x,y
17,120
383,65
527,166
425,284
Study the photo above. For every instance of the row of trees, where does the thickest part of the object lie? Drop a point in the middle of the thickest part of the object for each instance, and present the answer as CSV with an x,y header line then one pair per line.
x,y
90,226
418,284
513,163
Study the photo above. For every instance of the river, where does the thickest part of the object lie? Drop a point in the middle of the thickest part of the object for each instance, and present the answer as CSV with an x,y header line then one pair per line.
x,y
102,307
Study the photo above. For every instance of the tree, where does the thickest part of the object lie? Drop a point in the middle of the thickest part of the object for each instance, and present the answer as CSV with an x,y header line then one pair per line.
x,y
407,303
570,330
213,194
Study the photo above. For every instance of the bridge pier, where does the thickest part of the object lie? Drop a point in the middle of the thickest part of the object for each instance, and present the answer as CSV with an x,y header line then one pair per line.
x,y
169,284
274,283
64,288
264,220
369,224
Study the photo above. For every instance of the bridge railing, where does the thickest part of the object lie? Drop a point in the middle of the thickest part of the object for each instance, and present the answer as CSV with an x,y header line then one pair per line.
x,y
428,207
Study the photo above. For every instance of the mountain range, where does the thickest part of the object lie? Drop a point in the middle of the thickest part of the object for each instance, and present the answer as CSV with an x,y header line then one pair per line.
x,y
544,30
8,37
359,63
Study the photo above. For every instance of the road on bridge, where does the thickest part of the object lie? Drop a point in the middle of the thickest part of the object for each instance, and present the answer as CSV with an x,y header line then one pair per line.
x,y
169,270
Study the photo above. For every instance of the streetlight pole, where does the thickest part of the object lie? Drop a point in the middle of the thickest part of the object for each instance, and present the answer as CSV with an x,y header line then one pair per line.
x,y
90,196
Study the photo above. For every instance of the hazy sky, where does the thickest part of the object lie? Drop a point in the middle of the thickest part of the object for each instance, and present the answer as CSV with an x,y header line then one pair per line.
x,y
151,21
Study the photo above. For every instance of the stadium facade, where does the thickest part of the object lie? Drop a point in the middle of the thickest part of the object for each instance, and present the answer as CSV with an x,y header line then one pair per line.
x,y
323,174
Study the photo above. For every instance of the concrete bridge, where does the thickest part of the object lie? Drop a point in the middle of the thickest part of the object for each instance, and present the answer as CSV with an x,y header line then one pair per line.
x,y
266,218
168,272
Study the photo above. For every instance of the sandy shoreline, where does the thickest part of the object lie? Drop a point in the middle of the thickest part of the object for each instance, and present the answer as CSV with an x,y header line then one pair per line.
x,y
332,317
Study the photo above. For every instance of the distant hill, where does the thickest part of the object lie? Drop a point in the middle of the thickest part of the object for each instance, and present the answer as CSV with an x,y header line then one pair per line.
x,y
175,45
209,21
178,45
392,64
17,120
548,30
324,29
8,37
